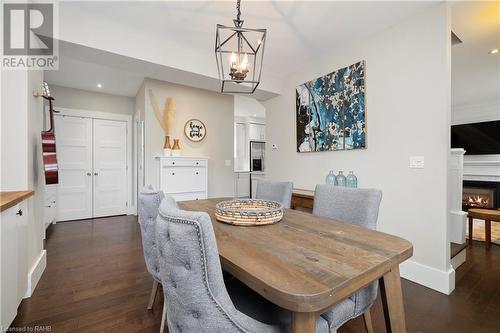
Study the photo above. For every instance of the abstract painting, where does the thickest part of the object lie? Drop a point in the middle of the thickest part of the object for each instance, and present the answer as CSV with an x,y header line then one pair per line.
x,y
331,111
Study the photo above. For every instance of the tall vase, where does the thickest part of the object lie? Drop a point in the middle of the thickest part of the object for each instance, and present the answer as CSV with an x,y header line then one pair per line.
x,y
176,149
167,148
341,180
352,180
330,178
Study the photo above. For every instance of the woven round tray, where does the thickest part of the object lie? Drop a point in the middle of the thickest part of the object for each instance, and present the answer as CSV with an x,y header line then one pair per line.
x,y
249,212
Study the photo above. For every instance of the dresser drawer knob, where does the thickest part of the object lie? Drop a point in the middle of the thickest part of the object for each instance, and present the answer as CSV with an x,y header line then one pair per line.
x,y
197,163
196,172
19,212
173,173
173,163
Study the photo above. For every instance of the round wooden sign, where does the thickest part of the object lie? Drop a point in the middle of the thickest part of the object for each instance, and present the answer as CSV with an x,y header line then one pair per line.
x,y
195,130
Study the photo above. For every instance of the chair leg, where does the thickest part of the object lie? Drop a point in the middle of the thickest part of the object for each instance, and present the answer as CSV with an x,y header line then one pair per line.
x,y
154,291
368,321
163,318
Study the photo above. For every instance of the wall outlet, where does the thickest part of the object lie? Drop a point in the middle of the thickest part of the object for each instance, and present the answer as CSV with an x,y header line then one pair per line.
x,y
417,162
227,162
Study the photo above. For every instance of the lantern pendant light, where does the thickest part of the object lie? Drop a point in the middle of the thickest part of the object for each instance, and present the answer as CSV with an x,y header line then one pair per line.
x,y
239,52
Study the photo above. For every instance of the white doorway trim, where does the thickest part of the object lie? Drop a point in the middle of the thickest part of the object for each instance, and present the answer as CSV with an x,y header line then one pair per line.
x,y
132,207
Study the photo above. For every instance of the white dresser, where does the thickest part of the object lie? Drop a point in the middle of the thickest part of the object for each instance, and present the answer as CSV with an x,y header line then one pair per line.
x,y
184,178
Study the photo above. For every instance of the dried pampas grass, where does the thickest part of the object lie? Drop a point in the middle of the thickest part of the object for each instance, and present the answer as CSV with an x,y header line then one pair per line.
x,y
167,117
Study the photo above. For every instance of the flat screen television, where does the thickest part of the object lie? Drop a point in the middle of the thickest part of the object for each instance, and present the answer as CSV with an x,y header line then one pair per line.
x,y
477,138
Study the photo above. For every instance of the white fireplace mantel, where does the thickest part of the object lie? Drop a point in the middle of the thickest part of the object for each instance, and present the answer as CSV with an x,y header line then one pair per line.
x,y
482,168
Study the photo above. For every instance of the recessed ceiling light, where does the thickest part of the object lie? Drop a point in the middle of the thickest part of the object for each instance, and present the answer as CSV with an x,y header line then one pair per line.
x,y
99,85
494,51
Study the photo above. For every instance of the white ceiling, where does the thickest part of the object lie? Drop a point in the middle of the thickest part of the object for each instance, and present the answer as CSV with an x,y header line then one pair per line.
x,y
475,72
183,33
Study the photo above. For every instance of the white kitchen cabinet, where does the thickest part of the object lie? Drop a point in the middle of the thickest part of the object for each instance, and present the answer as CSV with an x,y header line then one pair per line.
x,y
13,220
256,177
241,158
184,178
50,207
242,184
256,132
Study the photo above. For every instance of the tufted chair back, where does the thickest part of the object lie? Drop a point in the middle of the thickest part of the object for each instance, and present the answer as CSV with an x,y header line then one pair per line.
x,y
353,206
349,205
149,202
195,295
276,191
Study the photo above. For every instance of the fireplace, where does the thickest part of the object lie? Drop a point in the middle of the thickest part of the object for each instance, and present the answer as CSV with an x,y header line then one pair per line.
x,y
480,194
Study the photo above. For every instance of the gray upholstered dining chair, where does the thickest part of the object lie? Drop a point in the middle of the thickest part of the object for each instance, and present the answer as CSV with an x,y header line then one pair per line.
x,y
353,206
197,299
276,191
149,203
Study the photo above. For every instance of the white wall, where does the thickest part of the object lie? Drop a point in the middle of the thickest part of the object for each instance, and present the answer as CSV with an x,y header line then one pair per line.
x,y
88,100
22,167
248,107
408,113
14,121
474,112
215,110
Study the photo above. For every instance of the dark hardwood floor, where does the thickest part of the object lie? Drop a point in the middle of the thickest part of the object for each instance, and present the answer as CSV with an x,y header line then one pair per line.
x,y
96,281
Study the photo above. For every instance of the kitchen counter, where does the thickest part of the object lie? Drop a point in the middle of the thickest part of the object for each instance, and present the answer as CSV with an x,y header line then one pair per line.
x,y
12,198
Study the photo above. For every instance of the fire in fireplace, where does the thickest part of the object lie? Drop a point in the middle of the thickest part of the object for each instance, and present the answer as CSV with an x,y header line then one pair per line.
x,y
480,195
472,198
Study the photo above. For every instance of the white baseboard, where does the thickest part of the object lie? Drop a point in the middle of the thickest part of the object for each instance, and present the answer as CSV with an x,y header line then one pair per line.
x,y
35,273
458,259
442,281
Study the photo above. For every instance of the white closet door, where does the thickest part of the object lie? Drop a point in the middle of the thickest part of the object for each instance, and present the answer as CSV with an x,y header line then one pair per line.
x,y
74,156
110,167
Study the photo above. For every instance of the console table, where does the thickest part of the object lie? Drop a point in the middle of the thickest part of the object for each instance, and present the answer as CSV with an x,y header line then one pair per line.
x,y
487,215
302,199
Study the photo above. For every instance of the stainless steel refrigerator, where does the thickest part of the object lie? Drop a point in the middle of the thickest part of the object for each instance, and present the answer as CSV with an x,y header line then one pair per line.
x,y
257,162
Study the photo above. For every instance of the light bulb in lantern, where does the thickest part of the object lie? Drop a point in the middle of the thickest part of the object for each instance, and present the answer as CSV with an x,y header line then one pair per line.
x,y
244,63
233,60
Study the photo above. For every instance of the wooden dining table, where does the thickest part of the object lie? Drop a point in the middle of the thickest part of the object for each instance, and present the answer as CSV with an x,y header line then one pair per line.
x,y
307,264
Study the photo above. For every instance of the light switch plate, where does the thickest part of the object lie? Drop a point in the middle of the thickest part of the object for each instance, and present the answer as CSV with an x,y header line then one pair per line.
x,y
227,162
417,162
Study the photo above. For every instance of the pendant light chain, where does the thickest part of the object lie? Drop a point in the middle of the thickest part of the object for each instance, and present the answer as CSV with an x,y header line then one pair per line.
x,y
238,8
